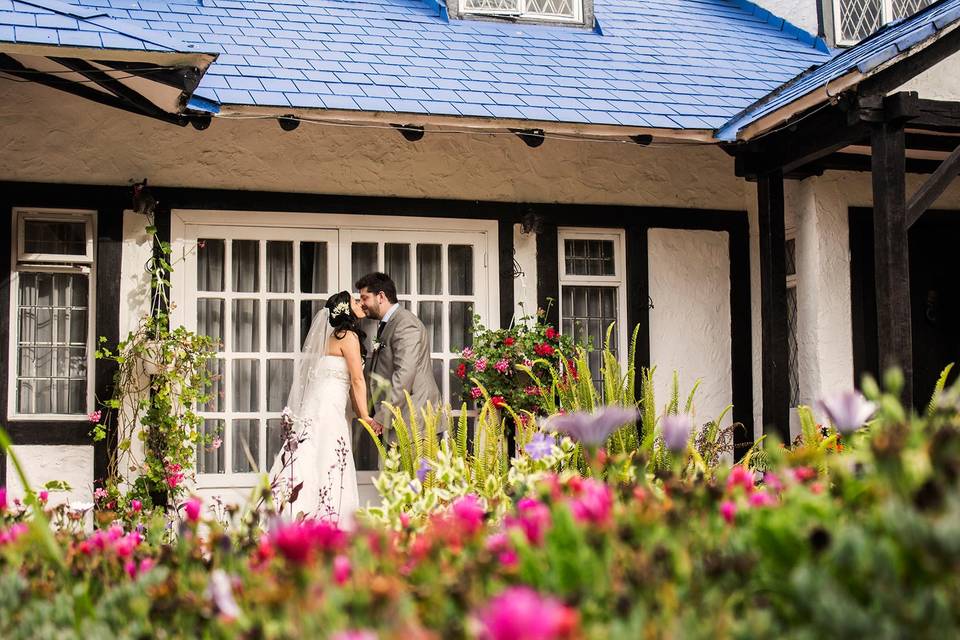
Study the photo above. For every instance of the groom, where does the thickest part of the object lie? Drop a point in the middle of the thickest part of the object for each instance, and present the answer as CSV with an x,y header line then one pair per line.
x,y
401,352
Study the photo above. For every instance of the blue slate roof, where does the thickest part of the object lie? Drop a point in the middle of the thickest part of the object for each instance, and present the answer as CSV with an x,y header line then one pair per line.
x,y
679,64
50,22
882,46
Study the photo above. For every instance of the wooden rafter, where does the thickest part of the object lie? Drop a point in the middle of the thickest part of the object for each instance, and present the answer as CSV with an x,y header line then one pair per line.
x,y
934,187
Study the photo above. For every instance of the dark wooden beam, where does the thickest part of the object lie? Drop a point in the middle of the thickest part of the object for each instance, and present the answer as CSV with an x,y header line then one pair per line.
x,y
937,115
775,378
548,272
855,162
933,188
932,141
891,253
811,138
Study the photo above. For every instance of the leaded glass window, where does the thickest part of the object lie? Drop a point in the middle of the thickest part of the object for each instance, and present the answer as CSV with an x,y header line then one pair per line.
x,y
542,9
793,351
857,19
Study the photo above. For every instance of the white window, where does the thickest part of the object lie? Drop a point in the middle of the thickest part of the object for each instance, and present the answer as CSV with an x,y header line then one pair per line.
x,y
564,10
52,285
592,290
793,364
257,288
854,20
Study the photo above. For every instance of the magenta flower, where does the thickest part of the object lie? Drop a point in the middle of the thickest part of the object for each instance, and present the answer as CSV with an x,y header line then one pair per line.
x,y
125,546
503,365
728,510
192,509
740,476
594,502
469,512
592,429
361,634
11,534
3,499
847,410
540,445
480,365
676,431
533,518
341,569
476,393
94,416
43,496
762,499
136,506
467,353
297,541
520,613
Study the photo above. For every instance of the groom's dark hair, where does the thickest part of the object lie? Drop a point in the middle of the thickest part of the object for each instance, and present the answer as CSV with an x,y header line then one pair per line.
x,y
378,282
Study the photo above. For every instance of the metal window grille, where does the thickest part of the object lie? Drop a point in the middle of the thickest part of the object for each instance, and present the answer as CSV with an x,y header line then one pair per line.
x,y
793,365
857,19
549,9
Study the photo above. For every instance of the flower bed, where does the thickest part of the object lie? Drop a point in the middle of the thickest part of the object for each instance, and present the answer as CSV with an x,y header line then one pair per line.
x,y
821,543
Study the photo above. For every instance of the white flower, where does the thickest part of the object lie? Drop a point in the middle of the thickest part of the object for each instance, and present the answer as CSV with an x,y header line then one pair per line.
x,y
377,345
341,308
847,410
80,507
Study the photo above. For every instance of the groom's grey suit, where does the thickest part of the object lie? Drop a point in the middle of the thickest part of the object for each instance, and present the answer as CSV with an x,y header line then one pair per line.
x,y
403,359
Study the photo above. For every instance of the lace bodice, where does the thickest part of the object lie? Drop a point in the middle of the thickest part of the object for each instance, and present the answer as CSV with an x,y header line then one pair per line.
x,y
330,367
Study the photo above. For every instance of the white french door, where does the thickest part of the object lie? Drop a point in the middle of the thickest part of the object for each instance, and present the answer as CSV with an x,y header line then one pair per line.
x,y
254,282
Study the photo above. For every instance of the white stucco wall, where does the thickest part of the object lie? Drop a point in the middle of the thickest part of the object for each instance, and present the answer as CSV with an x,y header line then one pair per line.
x,y
941,82
525,285
43,463
800,13
690,319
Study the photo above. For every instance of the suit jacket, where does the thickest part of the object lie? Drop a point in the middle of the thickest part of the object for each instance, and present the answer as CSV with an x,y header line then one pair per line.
x,y
403,359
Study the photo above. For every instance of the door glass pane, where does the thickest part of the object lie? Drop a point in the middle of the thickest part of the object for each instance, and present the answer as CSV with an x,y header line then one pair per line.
x,y
396,263
279,380
431,315
589,311
280,325
437,366
217,388
246,325
210,458
460,266
210,264
429,267
308,311
461,319
456,384
246,445
246,385
274,439
279,267
246,265
363,259
210,319
313,267
55,237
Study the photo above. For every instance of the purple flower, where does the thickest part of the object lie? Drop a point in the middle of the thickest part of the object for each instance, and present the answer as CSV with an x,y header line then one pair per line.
x,y
540,445
847,410
676,431
593,429
423,470
220,591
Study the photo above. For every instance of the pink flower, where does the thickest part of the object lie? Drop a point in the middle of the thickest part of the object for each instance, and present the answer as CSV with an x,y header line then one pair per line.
x,y
773,481
131,568
341,569
3,499
192,509
593,503
527,362
480,365
466,353
762,499
802,474
476,393
728,509
520,613
146,564
404,520
532,391
44,496
126,545
94,416
740,476
361,634
100,493
217,442
297,541
136,505
15,531
469,512
533,517
503,365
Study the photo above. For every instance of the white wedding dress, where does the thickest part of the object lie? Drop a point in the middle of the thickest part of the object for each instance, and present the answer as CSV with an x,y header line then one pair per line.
x,y
323,458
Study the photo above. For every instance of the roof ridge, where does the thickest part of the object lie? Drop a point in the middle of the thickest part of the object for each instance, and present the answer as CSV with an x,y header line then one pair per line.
x,y
784,25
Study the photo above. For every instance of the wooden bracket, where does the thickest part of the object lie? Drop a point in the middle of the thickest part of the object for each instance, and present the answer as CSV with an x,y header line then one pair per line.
x,y
933,188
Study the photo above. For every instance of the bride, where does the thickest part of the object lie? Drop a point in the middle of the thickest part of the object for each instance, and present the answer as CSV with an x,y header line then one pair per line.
x,y
314,470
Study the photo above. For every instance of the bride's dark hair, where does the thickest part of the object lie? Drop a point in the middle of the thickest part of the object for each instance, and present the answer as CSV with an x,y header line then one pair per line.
x,y
342,318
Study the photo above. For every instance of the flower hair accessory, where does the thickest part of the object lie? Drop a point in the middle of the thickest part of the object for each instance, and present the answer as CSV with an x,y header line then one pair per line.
x,y
341,308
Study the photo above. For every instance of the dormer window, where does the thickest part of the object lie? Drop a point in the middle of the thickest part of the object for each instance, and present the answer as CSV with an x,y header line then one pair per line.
x,y
854,20
579,12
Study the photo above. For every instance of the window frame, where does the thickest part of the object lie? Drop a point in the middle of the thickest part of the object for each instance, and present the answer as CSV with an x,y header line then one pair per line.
x,y
21,262
886,17
618,280
522,13
791,282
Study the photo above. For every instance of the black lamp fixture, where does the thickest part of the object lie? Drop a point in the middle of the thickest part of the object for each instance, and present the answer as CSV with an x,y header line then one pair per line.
x,y
143,200
531,223
410,132
200,123
531,137
644,139
288,122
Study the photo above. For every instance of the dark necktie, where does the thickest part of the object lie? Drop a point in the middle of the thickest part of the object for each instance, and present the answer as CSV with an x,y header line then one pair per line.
x,y
380,329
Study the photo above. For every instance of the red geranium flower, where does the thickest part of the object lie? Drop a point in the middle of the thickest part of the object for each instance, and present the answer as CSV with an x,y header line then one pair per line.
x,y
551,333
461,370
543,349
509,341
498,401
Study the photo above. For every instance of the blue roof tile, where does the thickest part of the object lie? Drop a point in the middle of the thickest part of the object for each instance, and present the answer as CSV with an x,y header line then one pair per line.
x,y
387,55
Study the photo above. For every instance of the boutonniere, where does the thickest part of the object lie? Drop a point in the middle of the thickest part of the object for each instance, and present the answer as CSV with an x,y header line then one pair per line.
x,y
377,345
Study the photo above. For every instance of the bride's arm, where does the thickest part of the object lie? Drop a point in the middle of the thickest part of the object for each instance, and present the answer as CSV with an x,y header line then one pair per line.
x,y
350,348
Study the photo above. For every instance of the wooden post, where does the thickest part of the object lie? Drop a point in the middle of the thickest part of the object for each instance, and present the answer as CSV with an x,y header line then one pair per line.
x,y
775,378
891,255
